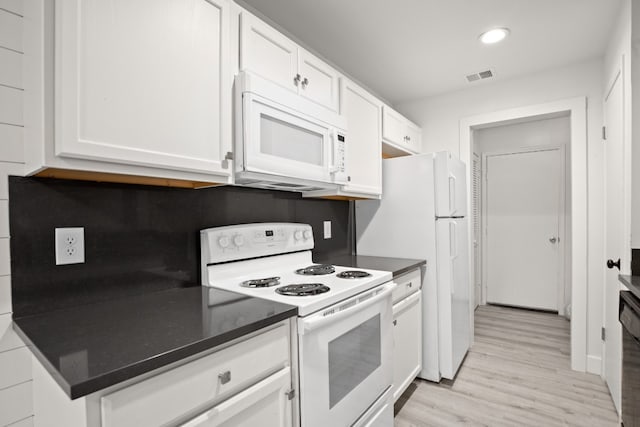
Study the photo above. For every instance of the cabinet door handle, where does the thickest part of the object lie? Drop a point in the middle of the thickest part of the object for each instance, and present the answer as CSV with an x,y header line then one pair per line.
x,y
395,322
225,377
296,79
305,83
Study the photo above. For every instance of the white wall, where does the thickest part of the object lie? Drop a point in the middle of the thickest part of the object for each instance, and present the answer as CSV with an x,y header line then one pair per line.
x,y
547,132
440,115
15,360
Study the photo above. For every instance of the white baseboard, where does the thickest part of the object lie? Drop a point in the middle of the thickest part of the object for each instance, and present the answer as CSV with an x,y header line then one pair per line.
x,y
594,364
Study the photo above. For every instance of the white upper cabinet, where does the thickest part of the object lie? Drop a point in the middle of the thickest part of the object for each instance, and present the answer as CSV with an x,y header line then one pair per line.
x,y
364,150
268,53
143,83
319,82
400,134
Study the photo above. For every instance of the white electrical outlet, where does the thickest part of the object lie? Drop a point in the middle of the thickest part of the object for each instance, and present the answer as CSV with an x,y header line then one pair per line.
x,y
69,245
327,229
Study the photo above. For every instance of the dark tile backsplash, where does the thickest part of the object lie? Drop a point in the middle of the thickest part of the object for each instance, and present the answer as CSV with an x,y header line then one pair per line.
x,y
635,262
138,238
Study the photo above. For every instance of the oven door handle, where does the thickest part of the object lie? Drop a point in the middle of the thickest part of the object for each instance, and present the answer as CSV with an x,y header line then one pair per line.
x,y
320,320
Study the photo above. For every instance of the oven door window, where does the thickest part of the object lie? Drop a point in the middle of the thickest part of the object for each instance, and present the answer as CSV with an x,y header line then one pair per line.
x,y
353,356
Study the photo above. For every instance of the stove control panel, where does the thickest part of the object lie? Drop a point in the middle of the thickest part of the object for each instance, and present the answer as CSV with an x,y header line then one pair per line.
x,y
237,242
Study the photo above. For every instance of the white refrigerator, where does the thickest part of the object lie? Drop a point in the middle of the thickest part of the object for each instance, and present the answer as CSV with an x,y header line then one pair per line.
x,y
423,215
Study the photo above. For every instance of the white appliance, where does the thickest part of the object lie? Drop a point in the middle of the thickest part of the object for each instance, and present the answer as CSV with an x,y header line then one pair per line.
x,y
284,141
345,319
423,215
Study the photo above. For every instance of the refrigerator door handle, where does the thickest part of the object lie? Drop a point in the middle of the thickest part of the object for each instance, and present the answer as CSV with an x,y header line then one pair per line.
x,y
452,194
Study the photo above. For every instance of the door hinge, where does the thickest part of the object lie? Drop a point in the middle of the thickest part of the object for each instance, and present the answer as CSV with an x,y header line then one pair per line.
x,y
291,394
228,156
604,133
603,334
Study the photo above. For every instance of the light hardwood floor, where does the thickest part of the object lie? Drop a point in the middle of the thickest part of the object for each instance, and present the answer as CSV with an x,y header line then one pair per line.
x,y
516,374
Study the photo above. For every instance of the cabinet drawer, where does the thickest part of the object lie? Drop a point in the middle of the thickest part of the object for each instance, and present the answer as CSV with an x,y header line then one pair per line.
x,y
407,284
264,404
190,388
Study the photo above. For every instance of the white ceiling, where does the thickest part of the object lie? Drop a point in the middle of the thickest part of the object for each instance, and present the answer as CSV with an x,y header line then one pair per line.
x,y
408,49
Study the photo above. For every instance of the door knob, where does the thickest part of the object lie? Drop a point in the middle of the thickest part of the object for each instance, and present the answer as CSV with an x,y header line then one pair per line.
x,y
611,264
553,239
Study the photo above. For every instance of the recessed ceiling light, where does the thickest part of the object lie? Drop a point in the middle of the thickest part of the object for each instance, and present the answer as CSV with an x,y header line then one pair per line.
x,y
494,36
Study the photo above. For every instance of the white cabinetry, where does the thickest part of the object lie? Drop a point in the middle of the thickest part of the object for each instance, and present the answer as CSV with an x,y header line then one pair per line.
x,y
399,135
407,332
247,383
268,53
364,151
141,88
265,404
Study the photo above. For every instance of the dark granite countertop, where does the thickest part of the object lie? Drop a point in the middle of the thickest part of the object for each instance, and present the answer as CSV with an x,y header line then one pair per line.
x,y
397,266
94,346
631,282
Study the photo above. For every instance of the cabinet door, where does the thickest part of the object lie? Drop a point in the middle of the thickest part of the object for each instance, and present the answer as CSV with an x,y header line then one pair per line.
x,y
144,82
264,404
393,127
364,139
414,137
320,82
407,334
268,53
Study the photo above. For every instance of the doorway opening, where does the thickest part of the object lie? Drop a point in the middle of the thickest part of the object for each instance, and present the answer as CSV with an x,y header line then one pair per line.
x,y
521,214
575,240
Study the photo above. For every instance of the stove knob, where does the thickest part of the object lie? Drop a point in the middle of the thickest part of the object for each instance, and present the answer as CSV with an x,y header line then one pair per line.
x,y
297,235
307,234
238,240
223,241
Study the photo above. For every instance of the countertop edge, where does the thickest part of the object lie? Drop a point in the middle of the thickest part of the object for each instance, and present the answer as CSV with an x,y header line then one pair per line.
x,y
408,269
148,365
58,378
373,262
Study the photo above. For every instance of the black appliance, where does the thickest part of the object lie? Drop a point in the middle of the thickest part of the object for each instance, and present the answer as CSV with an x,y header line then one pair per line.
x,y
630,319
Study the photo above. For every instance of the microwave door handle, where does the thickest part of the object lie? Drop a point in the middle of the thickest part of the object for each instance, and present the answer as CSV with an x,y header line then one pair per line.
x,y
318,321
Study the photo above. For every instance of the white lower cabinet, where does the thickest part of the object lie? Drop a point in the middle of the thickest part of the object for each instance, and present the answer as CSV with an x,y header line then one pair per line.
x,y
265,404
247,383
407,334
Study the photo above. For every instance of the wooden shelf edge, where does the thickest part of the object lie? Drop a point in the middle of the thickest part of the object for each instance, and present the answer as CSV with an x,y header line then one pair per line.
x,y
79,175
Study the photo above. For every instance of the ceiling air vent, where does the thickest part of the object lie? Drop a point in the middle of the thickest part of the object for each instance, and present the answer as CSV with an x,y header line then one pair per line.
x,y
480,76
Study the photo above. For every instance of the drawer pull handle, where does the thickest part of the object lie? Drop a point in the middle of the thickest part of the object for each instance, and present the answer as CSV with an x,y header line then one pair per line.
x,y
410,284
225,377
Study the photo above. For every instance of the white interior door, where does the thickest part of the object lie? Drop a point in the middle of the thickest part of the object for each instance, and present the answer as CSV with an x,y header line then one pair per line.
x,y
614,220
523,196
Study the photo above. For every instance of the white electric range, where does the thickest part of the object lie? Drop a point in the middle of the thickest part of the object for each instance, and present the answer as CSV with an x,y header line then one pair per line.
x,y
345,342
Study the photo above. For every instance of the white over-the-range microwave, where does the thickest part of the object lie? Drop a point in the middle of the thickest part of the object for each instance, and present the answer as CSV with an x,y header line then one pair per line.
x,y
286,142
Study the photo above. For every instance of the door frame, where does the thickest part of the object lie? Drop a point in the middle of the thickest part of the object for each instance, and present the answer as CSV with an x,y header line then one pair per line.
x,y
577,109
562,231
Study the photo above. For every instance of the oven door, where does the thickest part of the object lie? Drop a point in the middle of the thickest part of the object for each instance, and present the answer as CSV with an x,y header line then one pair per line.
x,y
281,141
346,358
